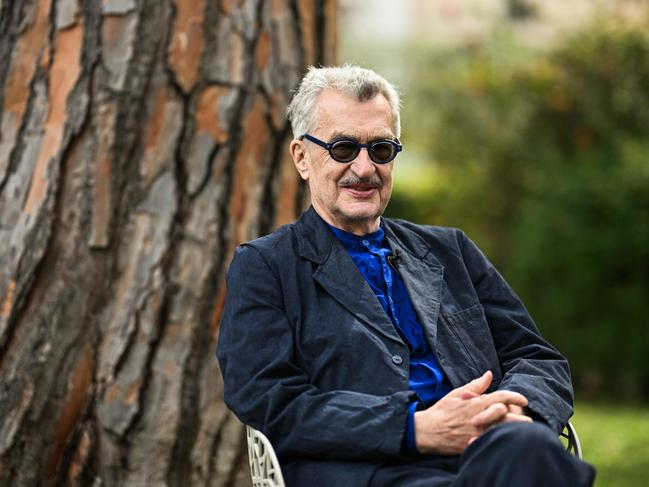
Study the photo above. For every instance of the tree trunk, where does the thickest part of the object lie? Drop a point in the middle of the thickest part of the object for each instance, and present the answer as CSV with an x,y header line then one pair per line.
x,y
140,142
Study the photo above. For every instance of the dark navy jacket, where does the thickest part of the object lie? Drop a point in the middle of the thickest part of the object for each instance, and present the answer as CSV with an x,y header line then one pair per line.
x,y
310,358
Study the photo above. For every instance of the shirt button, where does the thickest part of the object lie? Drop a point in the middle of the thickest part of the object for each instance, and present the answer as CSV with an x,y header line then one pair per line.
x,y
397,360
365,242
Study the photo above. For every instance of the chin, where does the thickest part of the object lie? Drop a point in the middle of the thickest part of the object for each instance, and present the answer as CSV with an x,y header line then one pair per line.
x,y
360,213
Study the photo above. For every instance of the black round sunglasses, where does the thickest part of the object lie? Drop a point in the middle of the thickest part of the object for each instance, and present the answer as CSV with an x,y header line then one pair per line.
x,y
380,151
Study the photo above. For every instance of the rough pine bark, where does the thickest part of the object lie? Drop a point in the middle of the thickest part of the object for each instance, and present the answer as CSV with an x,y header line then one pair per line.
x,y
140,142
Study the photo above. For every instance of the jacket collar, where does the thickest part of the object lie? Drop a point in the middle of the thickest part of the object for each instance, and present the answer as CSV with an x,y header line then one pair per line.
x,y
314,239
337,274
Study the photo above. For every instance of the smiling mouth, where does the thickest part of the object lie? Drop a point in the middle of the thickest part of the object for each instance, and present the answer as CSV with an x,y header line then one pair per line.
x,y
362,190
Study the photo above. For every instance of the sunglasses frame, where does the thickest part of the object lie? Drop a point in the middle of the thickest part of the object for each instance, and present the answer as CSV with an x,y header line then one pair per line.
x,y
329,146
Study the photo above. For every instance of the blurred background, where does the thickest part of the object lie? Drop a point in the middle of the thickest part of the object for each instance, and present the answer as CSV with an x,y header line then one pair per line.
x,y
141,142
526,124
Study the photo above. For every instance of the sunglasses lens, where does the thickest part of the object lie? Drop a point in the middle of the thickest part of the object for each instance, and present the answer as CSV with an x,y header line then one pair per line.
x,y
382,152
344,150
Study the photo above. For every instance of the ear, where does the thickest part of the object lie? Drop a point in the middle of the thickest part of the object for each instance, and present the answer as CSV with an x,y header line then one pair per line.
x,y
300,158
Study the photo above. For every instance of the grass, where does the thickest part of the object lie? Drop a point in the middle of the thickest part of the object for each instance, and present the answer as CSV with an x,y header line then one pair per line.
x,y
616,440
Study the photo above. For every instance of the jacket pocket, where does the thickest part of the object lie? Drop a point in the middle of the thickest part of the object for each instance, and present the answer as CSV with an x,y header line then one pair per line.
x,y
470,329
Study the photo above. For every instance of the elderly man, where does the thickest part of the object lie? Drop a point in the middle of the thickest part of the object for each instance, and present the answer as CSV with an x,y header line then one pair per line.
x,y
379,352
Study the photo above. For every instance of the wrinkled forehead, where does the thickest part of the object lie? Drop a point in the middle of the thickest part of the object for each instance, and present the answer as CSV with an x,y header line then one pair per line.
x,y
339,115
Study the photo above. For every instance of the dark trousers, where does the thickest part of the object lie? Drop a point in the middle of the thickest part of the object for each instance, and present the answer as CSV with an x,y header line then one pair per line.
x,y
512,454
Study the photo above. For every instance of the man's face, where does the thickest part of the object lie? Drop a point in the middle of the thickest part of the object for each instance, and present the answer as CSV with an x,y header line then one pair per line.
x,y
351,196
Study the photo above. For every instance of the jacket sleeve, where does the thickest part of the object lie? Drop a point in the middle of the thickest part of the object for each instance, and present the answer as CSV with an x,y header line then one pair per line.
x,y
529,364
267,390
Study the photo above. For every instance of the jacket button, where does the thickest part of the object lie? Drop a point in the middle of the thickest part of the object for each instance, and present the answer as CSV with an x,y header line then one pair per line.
x,y
397,360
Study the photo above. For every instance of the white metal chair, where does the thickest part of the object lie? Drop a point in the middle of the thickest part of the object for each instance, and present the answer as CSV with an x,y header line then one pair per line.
x,y
574,446
264,466
266,472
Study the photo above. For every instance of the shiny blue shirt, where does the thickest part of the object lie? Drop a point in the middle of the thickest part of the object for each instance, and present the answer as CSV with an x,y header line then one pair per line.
x,y
370,254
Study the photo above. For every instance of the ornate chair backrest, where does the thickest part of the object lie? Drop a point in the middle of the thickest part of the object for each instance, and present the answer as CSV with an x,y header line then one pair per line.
x,y
264,466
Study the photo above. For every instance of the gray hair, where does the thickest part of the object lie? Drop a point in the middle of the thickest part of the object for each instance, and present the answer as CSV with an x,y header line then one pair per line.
x,y
353,81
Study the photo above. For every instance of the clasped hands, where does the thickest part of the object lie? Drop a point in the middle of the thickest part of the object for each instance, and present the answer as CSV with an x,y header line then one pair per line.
x,y
456,420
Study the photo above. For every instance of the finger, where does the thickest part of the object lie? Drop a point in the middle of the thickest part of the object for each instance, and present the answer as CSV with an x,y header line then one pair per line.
x,y
513,408
471,440
506,397
516,418
479,385
493,414
464,394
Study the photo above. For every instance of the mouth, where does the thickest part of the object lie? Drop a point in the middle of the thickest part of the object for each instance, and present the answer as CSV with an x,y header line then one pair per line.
x,y
361,190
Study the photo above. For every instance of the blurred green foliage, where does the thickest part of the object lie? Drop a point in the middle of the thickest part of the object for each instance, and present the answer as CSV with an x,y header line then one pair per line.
x,y
614,439
543,158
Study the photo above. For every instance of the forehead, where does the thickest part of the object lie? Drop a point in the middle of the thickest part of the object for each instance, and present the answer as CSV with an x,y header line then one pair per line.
x,y
341,114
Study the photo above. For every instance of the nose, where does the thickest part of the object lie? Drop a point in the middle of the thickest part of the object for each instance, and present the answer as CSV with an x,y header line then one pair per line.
x,y
363,166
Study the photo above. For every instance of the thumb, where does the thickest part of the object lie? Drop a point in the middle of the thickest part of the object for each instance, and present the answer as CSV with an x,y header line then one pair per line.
x,y
479,385
466,394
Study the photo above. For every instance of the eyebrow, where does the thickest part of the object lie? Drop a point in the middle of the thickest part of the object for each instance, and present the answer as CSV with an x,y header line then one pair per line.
x,y
377,136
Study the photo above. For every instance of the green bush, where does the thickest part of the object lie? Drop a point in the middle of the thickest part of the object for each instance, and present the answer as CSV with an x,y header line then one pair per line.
x,y
544,159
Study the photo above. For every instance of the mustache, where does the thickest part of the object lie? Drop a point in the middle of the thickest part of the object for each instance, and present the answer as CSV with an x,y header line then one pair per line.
x,y
355,180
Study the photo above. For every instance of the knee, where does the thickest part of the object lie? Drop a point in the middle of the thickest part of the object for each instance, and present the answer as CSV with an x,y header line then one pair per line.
x,y
517,453
525,436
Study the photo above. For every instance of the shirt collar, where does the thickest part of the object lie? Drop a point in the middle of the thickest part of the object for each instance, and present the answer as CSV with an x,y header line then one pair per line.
x,y
355,242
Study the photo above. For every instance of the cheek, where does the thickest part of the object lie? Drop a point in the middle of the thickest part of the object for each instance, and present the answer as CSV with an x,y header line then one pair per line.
x,y
387,182
386,192
335,175
325,182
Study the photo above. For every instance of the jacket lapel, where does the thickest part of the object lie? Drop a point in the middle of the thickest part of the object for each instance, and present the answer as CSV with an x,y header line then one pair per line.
x,y
339,276
423,276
